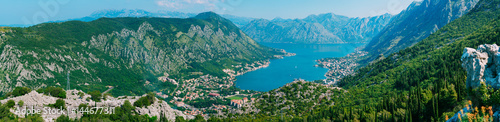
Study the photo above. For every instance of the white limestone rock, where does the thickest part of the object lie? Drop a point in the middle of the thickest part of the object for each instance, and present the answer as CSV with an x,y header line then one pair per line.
x,y
162,108
481,65
38,101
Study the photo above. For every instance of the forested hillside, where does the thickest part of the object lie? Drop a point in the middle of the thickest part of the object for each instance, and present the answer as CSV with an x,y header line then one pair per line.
x,y
128,54
417,22
412,25
425,82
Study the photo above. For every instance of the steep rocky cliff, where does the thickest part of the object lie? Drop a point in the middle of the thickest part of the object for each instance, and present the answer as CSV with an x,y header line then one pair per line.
x,y
320,29
417,22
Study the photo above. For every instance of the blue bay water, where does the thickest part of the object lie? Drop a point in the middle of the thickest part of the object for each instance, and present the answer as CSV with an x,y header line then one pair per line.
x,y
283,71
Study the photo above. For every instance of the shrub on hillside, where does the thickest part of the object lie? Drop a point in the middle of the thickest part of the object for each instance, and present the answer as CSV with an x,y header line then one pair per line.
x,y
60,103
20,103
95,96
10,103
18,91
53,91
145,101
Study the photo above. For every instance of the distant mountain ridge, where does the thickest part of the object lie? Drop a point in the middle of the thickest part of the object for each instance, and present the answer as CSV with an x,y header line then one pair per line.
x,y
417,22
238,21
319,29
113,13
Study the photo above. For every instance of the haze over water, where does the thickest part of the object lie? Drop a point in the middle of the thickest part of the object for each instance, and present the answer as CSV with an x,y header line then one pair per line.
x,y
283,71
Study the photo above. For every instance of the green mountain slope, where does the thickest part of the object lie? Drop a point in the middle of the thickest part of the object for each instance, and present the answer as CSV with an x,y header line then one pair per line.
x,y
424,82
416,23
127,53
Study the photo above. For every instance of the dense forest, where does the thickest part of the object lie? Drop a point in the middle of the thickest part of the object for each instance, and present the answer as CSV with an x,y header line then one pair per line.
x,y
425,82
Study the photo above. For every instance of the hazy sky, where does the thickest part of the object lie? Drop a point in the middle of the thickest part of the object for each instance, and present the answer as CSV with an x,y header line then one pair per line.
x,y
34,11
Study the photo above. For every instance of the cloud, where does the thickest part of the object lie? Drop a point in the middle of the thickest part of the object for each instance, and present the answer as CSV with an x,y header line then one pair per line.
x,y
165,3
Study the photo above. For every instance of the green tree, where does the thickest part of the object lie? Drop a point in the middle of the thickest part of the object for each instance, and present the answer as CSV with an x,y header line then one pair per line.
x,y
10,103
63,118
4,111
145,101
127,106
53,91
60,103
214,119
96,96
20,103
179,119
199,118
33,118
19,91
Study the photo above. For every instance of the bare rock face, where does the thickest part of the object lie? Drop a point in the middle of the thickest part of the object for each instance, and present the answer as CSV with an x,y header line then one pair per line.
x,y
38,101
481,65
161,108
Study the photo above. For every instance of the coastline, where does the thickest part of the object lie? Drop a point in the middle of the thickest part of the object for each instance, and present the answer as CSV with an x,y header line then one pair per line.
x,y
255,66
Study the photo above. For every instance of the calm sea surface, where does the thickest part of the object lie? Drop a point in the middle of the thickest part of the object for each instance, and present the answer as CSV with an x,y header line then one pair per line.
x,y
283,71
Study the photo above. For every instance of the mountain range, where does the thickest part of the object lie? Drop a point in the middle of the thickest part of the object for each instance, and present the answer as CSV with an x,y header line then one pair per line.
x,y
317,29
238,21
417,22
126,53
113,13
